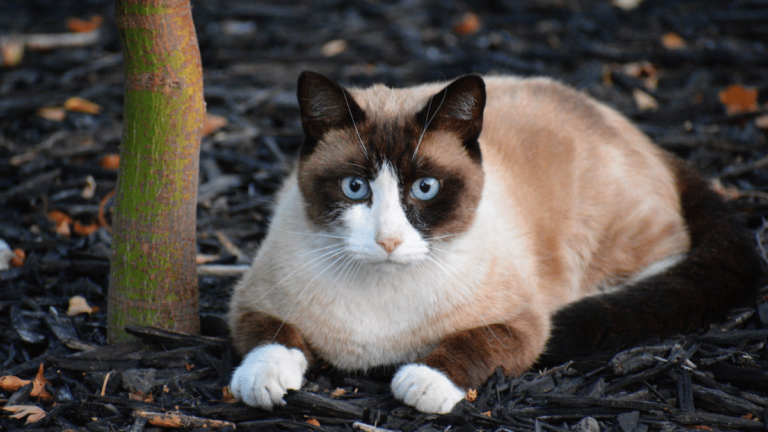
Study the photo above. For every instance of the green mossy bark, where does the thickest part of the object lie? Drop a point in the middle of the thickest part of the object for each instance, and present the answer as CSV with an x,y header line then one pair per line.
x,y
153,278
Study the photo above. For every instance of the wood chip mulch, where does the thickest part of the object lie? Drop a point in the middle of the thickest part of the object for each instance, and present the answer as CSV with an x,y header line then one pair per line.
x,y
692,74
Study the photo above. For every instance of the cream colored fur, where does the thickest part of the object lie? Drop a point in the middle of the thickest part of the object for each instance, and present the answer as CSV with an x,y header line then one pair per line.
x,y
559,168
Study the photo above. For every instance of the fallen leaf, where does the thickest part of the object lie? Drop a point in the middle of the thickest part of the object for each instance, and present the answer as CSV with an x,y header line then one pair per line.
x,y
313,422
644,101
111,161
12,51
470,23
729,193
333,48
62,221
471,395
59,216
738,99
79,305
212,123
645,71
487,413
39,386
89,191
11,383
32,412
338,392
56,114
626,4
228,397
18,258
78,104
137,395
106,207
673,41
77,25
84,230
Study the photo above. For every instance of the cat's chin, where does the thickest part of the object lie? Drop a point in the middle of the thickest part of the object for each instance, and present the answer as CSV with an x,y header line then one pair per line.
x,y
390,263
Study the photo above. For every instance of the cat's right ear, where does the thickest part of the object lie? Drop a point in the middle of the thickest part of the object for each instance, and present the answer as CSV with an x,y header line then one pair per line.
x,y
324,105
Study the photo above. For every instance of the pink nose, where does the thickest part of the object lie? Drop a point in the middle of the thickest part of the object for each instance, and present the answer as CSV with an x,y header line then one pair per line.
x,y
389,244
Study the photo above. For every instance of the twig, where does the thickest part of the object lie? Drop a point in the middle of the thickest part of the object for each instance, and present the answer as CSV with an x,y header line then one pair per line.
x,y
221,270
53,40
177,420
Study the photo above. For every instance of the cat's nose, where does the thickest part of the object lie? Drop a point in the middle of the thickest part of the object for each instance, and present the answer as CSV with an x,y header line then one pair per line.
x,y
389,243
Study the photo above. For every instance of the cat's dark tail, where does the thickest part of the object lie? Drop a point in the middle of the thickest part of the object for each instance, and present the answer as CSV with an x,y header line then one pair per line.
x,y
721,271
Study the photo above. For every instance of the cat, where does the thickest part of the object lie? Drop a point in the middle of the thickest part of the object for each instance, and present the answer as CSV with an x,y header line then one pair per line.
x,y
488,222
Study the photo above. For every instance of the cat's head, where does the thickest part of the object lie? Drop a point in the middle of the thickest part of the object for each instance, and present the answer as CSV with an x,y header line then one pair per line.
x,y
391,171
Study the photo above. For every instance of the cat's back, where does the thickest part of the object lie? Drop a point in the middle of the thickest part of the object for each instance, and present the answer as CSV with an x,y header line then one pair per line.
x,y
601,199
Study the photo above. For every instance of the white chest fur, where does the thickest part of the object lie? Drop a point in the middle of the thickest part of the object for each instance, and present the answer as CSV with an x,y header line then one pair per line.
x,y
359,313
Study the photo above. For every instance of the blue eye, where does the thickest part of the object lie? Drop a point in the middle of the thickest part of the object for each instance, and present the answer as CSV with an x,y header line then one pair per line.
x,y
425,188
355,188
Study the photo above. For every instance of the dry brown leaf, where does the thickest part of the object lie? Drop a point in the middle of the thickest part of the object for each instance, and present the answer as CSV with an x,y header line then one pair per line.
x,y
110,161
59,216
105,209
77,25
56,114
738,99
39,383
338,392
12,51
228,397
212,123
84,230
313,422
673,41
18,258
189,366
32,412
62,221
471,395
644,101
79,305
470,23
333,48
487,413
11,383
137,395
729,193
78,104
645,71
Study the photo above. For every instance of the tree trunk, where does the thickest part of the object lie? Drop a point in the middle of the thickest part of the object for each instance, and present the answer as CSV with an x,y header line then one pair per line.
x,y
153,279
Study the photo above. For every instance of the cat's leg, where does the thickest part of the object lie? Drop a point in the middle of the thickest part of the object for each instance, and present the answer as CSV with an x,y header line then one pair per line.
x,y
276,360
466,359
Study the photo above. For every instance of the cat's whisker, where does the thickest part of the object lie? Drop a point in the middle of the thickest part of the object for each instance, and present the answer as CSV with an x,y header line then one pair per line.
x,y
303,290
360,139
323,258
427,122
309,234
317,250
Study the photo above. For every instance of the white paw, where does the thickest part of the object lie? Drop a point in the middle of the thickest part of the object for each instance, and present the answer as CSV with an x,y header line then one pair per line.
x,y
425,389
266,373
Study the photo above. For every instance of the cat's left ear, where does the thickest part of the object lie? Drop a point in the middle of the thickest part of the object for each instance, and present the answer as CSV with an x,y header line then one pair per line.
x,y
324,105
458,109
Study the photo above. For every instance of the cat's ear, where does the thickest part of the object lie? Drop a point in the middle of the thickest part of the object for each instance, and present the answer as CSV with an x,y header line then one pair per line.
x,y
458,108
324,105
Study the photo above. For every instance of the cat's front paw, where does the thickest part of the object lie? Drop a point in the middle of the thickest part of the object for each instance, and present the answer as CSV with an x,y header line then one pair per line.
x,y
425,389
265,375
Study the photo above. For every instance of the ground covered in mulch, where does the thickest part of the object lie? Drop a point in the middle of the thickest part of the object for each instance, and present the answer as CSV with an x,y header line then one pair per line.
x,y
692,74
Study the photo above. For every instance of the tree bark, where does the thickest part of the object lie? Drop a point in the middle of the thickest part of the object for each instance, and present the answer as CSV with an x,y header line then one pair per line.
x,y
153,279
